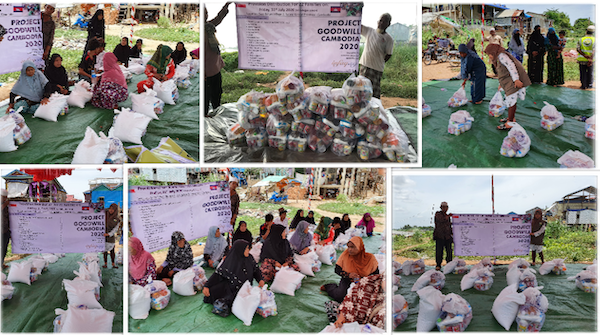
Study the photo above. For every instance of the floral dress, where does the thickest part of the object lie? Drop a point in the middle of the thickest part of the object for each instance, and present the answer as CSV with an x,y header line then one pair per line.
x,y
366,302
511,100
150,273
107,95
268,270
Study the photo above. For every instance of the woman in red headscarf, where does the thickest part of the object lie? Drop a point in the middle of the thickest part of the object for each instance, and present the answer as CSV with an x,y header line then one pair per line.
x,y
141,263
112,87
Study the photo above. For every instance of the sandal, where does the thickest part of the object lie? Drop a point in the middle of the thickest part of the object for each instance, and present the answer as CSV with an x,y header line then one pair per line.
x,y
479,102
322,287
115,266
105,266
504,120
503,127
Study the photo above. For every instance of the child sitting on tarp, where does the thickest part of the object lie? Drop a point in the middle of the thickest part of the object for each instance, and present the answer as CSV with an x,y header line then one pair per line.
x,y
160,66
30,87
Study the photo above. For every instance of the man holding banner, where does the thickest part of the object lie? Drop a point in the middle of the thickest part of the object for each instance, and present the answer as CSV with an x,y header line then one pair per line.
x,y
379,46
442,234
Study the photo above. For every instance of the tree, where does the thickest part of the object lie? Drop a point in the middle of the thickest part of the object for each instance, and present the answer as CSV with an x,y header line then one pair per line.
x,y
561,20
581,25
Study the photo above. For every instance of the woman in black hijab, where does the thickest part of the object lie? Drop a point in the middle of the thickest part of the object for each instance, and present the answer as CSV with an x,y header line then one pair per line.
x,y
297,218
227,279
122,51
346,223
276,253
536,51
96,25
310,218
242,233
58,81
179,54
136,51
180,257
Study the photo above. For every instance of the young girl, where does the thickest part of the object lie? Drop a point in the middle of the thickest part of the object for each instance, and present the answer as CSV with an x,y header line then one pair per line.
x,y
112,88
122,51
30,87
180,53
160,66
57,76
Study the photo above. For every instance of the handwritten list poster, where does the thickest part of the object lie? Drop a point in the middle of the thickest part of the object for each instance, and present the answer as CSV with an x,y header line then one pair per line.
x,y
155,212
55,228
490,235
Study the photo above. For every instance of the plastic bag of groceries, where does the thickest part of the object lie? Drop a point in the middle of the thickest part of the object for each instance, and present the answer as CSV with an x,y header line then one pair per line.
x,y
256,138
395,145
590,127
459,98
532,314
357,89
297,142
426,109
556,266
497,105
339,105
575,160
236,135
342,146
460,122
318,141
400,311
291,90
159,294
368,151
551,117
278,142
320,96
456,314
516,143
275,105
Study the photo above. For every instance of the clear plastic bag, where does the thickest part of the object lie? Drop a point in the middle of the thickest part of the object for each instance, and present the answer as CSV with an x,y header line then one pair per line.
x,y
426,109
400,311
456,314
516,143
267,306
221,308
497,105
459,98
575,159
551,117
275,105
256,138
253,102
320,96
342,147
290,87
278,142
236,135
278,125
297,142
306,126
395,146
357,89
369,113
459,122
590,127
326,127
367,151
21,131
318,141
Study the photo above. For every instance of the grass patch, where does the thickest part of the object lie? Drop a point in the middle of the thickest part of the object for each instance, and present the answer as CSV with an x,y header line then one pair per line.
x,y
352,208
175,34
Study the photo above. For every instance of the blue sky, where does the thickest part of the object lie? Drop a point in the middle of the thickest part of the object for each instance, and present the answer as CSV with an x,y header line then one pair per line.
x,y
416,197
574,12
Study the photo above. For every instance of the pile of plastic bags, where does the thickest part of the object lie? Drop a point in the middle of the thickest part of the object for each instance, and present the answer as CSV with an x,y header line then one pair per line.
x,y
320,119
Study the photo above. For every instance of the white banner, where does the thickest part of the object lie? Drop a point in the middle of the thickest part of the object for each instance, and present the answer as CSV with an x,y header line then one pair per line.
x,y
309,37
23,39
155,212
55,228
490,235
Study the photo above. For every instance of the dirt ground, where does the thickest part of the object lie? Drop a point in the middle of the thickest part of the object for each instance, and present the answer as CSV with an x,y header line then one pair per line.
x,y
445,71
198,250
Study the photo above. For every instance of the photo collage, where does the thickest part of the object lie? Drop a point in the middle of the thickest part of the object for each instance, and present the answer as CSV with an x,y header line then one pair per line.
x,y
323,177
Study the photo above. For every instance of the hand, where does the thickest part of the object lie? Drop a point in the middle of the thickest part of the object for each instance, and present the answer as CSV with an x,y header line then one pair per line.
x,y
10,106
340,321
261,283
105,234
535,53
277,264
45,56
210,263
354,276
499,87
171,273
531,234
518,83
206,292
303,252
463,83
99,71
44,101
159,270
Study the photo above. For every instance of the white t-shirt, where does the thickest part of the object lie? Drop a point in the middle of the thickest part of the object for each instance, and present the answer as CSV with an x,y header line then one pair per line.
x,y
278,221
377,46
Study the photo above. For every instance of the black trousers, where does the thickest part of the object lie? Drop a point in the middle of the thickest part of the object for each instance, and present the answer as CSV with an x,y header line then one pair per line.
x,y
440,245
212,92
586,75
5,239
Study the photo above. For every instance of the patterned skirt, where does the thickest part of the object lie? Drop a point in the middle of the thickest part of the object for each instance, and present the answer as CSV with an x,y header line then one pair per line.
x,y
268,270
107,95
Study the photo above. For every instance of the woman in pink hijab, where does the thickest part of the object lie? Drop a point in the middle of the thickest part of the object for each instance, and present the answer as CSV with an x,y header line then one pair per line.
x,y
112,87
141,263
368,222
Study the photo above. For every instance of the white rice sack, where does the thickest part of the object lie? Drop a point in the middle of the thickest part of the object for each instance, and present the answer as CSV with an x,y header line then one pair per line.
x,y
39,264
183,282
136,68
506,306
512,276
286,281
7,140
81,94
406,267
469,279
425,279
77,320
246,302
166,91
520,263
430,305
147,103
449,267
305,262
547,267
56,105
91,150
51,258
327,254
129,126
139,302
19,272
255,251
81,292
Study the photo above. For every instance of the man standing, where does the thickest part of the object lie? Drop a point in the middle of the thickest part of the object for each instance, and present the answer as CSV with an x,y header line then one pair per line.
x,y
265,229
494,39
234,198
379,46
535,56
585,48
282,220
442,234
48,28
213,63
5,225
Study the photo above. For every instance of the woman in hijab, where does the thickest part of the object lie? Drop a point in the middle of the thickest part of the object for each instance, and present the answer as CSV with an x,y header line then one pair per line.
x,y
368,222
322,230
195,54
516,46
512,78
113,219
141,263
310,218
30,87
354,264
276,252
57,76
96,25
136,51
180,257
301,239
180,53
236,269
215,247
112,87
556,74
2,32
160,66
535,53
297,218
365,304
122,51
334,231
472,68
346,223
242,233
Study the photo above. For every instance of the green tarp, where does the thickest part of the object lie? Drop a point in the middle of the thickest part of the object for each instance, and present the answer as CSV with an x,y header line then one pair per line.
x,y
408,118
570,309
55,142
480,146
31,308
304,312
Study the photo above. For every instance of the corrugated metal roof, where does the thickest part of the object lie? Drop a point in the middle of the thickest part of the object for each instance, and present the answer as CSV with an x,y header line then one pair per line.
x,y
510,13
